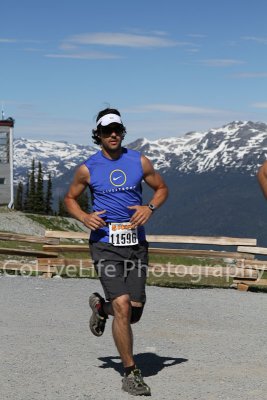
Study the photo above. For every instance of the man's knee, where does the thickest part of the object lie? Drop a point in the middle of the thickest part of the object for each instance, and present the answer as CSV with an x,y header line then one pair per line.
x,y
121,305
136,314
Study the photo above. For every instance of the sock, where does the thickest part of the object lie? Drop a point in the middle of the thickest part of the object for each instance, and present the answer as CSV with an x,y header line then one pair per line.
x,y
128,370
100,310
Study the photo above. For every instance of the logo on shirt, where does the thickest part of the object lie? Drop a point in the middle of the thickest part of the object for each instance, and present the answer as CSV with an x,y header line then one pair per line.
x,y
117,177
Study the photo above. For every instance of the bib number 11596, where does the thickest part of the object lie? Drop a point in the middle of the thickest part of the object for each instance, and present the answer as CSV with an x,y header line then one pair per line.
x,y
122,234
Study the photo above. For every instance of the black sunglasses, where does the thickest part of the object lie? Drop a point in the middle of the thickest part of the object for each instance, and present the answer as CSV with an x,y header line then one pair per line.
x,y
108,130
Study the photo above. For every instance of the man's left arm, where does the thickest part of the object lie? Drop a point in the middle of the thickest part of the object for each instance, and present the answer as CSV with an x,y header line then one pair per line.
x,y
156,182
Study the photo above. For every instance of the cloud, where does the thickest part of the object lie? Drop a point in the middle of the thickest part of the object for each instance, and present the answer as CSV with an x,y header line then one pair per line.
x,y
196,35
124,40
6,40
193,50
221,62
262,40
251,75
90,55
175,109
259,105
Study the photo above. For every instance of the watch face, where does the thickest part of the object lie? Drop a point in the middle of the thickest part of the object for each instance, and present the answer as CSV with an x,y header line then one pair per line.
x,y
151,206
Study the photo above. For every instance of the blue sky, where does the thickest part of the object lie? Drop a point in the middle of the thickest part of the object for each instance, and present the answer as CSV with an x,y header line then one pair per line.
x,y
170,67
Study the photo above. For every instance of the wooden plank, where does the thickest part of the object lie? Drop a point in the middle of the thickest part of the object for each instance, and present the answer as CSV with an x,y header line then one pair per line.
x,y
59,262
253,250
32,253
55,262
220,240
67,235
82,262
257,282
254,264
12,265
216,271
199,253
61,248
181,252
261,282
27,238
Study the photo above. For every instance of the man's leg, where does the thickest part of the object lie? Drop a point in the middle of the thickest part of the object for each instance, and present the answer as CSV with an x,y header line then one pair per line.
x,y
121,329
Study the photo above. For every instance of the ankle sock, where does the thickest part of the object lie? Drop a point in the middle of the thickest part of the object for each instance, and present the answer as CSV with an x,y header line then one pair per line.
x,y
128,370
101,310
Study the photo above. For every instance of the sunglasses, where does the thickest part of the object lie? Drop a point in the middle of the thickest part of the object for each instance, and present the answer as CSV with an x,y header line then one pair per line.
x,y
108,130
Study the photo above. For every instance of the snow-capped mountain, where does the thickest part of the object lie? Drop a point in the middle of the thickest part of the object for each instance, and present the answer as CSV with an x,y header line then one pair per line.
x,y
238,145
56,157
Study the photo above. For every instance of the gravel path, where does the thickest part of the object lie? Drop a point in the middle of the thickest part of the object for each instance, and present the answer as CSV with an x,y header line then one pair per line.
x,y
191,344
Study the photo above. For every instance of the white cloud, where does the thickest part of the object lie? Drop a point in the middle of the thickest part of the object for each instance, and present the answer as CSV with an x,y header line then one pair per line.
x,y
196,35
260,105
262,40
90,55
251,75
221,62
175,108
5,40
124,40
193,50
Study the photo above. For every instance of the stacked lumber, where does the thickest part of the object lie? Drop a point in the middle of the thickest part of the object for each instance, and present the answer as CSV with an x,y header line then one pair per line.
x,y
244,268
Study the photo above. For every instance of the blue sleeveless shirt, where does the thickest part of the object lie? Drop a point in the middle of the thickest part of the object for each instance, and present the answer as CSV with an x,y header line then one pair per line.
x,y
114,185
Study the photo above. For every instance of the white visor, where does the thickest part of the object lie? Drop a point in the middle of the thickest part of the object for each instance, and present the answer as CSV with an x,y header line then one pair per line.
x,y
109,119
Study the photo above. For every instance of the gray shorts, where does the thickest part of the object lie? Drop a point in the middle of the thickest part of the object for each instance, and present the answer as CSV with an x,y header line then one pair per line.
x,y
121,269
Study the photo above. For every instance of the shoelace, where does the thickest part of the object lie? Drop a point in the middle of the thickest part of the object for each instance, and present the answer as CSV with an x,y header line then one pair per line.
x,y
138,377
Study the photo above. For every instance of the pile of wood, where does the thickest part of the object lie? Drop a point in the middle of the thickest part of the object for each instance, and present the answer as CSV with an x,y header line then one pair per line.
x,y
242,265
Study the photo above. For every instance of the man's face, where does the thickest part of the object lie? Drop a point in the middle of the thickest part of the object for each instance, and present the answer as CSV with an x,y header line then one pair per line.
x,y
111,137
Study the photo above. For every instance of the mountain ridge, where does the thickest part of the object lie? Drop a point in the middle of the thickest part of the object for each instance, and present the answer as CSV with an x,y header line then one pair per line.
x,y
239,145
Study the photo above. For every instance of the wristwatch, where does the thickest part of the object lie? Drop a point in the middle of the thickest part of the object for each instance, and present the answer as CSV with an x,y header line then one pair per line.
x,y
152,207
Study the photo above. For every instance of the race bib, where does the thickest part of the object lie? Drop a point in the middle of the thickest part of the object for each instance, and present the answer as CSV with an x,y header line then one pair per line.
x,y
122,234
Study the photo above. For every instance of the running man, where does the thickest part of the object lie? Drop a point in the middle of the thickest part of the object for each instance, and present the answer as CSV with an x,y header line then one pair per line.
x,y
117,241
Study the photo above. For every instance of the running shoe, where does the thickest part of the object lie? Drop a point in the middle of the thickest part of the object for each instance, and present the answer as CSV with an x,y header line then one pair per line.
x,y
97,322
135,385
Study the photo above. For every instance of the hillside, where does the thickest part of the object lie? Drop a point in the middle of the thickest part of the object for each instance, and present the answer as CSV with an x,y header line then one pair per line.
x,y
33,224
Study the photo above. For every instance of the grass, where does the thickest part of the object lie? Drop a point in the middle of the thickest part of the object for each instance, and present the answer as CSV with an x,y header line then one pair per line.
x,y
55,223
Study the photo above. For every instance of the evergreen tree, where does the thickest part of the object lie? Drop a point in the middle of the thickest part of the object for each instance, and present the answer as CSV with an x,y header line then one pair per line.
x,y
49,196
26,196
62,211
19,197
32,189
39,205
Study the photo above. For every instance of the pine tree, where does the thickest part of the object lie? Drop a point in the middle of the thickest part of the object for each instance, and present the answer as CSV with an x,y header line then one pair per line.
x,y
49,196
19,197
62,211
32,189
39,205
26,196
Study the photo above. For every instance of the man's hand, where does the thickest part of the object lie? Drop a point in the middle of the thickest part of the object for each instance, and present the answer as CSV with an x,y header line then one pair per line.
x,y
93,221
141,215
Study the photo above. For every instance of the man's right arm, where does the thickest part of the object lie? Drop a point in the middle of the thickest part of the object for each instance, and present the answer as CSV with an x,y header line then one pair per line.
x,y
262,178
79,184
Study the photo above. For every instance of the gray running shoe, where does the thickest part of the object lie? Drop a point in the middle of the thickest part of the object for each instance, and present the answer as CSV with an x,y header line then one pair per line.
x,y
97,322
135,385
